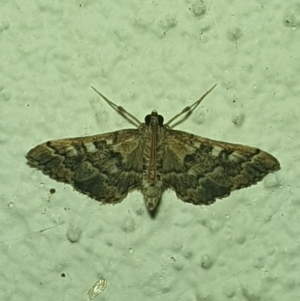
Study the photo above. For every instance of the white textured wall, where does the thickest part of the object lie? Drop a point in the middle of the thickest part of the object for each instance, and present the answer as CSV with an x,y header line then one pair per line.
x,y
145,55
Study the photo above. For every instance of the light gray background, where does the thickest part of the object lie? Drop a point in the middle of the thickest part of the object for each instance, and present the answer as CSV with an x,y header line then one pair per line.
x,y
145,55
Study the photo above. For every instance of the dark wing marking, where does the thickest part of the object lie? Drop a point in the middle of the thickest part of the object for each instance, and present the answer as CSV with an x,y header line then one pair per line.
x,y
105,167
201,170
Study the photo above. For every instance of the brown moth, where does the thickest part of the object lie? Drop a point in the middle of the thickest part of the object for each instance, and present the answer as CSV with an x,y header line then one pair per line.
x,y
151,158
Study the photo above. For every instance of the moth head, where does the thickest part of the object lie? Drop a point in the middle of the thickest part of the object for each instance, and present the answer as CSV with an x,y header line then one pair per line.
x,y
154,119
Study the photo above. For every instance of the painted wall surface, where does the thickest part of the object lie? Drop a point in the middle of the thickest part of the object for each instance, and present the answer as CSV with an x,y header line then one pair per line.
x,y
56,243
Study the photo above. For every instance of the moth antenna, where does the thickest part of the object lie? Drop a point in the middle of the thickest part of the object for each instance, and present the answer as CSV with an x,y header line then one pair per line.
x,y
189,109
119,109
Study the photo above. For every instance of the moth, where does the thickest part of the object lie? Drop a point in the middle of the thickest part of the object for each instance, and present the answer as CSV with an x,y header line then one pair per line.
x,y
151,158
